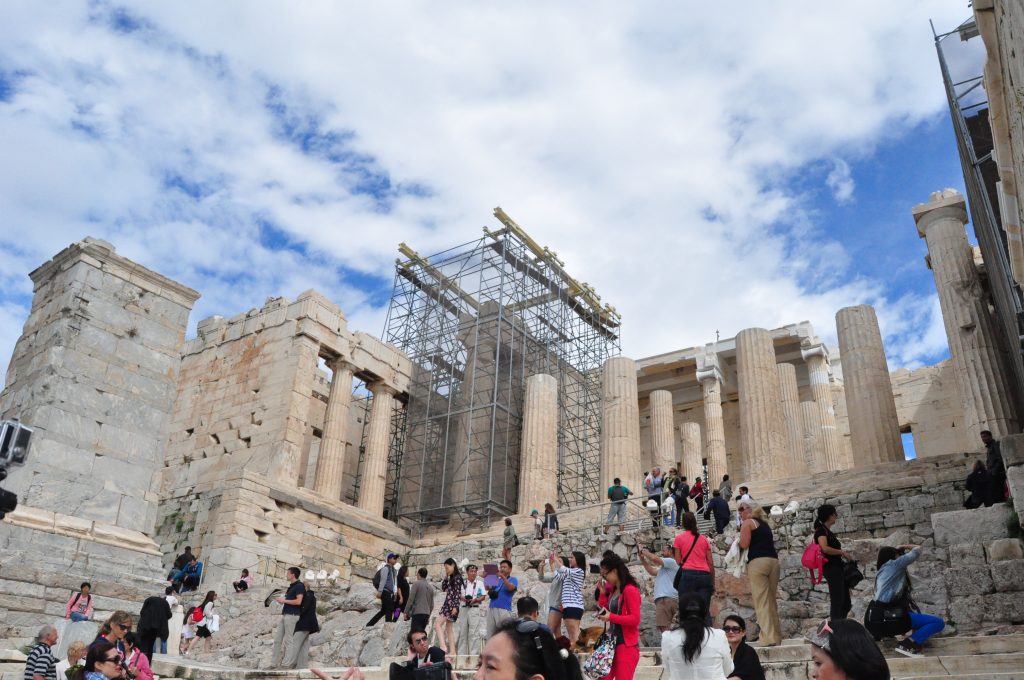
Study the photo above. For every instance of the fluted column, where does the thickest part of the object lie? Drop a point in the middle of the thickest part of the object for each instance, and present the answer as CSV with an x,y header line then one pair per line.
x,y
375,465
816,358
762,431
663,446
538,463
620,425
813,456
330,464
874,427
790,402
710,379
693,460
984,389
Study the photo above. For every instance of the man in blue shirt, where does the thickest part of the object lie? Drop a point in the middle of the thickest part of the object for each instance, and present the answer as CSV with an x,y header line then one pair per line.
x,y
501,598
666,598
292,602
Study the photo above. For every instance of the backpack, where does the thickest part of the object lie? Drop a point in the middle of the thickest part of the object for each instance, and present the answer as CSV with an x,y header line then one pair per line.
x,y
814,560
197,614
376,579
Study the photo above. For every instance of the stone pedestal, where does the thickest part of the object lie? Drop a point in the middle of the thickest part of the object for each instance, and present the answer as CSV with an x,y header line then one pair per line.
x,y
714,426
974,345
816,358
620,431
663,444
813,455
378,440
874,428
693,460
763,432
330,464
538,463
790,402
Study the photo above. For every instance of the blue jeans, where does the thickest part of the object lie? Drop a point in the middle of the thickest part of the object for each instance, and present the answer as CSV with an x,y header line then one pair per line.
x,y
698,582
76,617
159,646
925,626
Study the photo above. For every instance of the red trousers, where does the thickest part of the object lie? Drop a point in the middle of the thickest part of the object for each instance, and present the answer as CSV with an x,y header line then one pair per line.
x,y
624,664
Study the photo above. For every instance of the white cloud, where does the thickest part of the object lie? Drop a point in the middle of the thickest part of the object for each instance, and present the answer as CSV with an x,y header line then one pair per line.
x,y
651,146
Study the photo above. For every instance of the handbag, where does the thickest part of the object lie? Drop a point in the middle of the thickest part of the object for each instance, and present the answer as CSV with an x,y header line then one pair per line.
x,y
599,664
888,619
435,671
852,574
679,572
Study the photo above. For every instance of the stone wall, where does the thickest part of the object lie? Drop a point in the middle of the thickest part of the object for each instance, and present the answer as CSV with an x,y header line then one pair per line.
x,y
928,403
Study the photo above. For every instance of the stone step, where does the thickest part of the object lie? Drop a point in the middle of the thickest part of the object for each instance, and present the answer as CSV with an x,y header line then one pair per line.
x,y
956,666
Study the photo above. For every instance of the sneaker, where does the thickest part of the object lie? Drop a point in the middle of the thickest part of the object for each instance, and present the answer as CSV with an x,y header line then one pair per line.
x,y
908,647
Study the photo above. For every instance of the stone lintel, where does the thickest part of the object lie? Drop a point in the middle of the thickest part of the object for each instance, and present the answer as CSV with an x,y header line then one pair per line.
x,y
945,203
102,255
348,515
60,524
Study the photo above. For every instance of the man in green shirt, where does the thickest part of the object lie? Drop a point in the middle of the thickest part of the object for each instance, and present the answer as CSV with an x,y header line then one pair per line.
x,y
618,494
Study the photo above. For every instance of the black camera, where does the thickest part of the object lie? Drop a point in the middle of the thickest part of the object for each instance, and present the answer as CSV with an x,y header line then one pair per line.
x,y
493,593
14,442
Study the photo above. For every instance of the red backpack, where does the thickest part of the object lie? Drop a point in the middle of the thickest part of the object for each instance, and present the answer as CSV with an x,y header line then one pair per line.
x,y
197,614
814,559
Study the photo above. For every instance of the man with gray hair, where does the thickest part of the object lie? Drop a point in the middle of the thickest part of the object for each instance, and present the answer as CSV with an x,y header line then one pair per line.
x,y
41,663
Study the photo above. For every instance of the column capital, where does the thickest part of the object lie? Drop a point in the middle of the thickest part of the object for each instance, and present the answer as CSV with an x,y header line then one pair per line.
x,y
948,203
340,364
818,350
381,388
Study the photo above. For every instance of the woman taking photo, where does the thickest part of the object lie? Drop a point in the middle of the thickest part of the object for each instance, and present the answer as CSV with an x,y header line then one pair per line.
x,y
570,579
444,625
762,571
746,664
693,555
694,650
838,593
892,586
843,650
522,650
623,616
103,661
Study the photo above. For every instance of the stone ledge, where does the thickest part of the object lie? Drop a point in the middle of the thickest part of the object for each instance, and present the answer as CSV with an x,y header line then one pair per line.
x,y
59,524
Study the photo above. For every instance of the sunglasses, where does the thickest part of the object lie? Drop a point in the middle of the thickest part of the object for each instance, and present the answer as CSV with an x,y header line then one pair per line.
x,y
124,627
418,641
732,629
824,634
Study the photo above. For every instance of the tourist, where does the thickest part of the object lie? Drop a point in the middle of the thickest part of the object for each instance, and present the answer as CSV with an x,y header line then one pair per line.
x,y
550,521
79,606
243,583
744,495
655,485
746,663
421,602
979,483
386,582
402,593
172,602
671,482
666,599
892,586
114,629
306,626
725,488
152,626
527,608
554,598
693,555
509,539
188,632
179,565
835,577
204,626
102,661
444,624
681,495
420,652
291,607
190,576
719,508
501,596
76,656
135,659
571,580
468,627
844,650
617,494
522,650
41,664
694,650
995,466
762,570
622,616
538,525
697,494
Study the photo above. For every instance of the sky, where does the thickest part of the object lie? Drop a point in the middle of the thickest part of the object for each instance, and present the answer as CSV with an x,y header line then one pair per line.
x,y
705,170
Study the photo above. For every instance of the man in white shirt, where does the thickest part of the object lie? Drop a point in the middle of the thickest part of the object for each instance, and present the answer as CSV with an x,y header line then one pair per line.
x,y
469,626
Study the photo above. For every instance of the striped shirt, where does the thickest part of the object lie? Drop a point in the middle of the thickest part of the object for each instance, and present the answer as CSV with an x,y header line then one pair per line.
x,y
41,662
571,579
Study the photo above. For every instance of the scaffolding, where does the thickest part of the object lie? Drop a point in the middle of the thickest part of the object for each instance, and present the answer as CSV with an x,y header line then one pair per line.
x,y
476,321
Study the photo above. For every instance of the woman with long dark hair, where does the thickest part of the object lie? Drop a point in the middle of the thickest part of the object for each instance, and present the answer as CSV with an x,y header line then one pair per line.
x,y
444,625
403,589
570,579
695,650
892,586
838,593
693,555
522,650
550,521
623,615
844,650
203,631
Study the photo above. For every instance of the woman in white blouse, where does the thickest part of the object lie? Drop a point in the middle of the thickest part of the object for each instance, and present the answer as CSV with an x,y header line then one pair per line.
x,y
693,650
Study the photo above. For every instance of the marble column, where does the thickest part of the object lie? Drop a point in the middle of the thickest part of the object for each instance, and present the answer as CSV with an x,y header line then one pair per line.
x,y
663,445
373,479
620,425
874,427
762,430
330,463
816,358
693,460
811,446
538,462
974,347
790,402
710,378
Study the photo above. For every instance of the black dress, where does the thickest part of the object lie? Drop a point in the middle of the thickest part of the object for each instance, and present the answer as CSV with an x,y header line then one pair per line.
x,y
746,663
403,588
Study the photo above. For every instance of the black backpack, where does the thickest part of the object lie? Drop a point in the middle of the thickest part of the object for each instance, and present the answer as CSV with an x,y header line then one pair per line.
x,y
376,578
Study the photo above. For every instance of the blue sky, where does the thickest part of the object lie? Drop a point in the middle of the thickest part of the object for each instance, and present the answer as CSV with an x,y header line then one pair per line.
x,y
704,171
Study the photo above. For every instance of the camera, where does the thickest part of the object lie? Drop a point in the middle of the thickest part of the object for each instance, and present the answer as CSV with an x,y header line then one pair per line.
x,y
14,443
